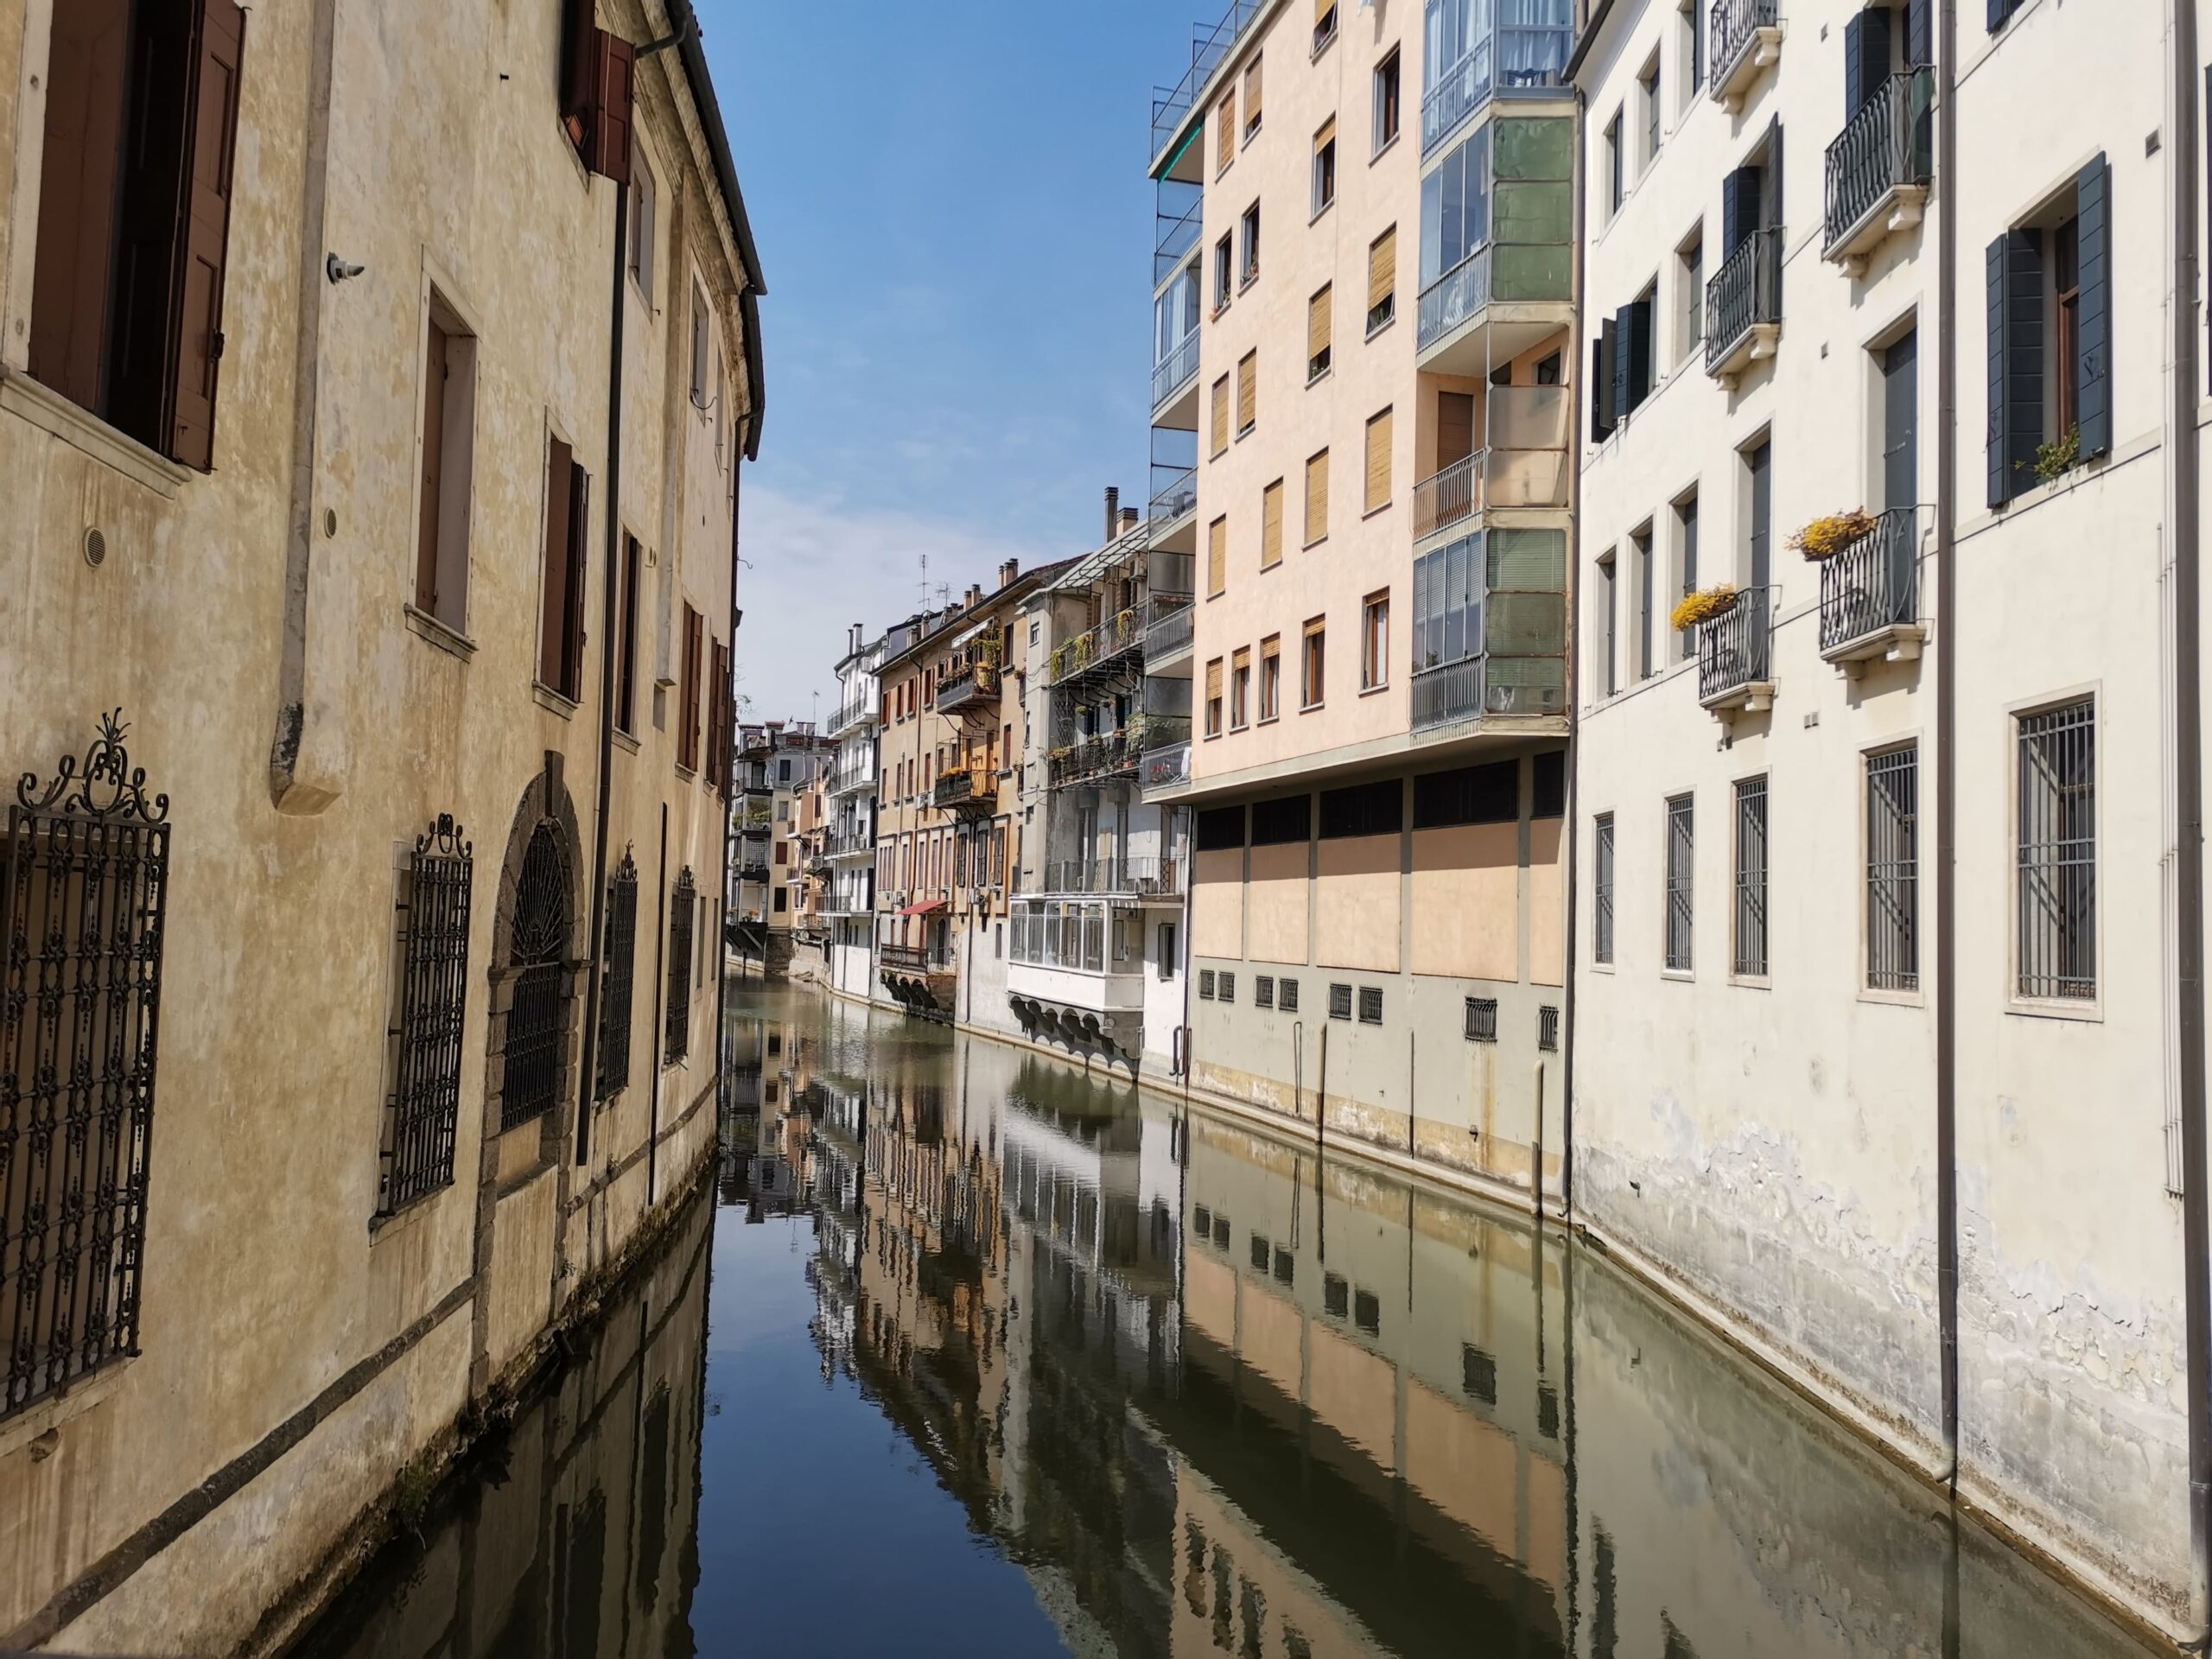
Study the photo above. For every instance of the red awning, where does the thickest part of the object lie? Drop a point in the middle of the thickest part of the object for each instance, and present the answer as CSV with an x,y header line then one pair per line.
x,y
923,908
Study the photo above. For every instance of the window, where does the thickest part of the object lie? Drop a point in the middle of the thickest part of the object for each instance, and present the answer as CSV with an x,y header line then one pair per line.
x,y
1477,1374
1370,1004
1225,267
1375,808
1224,126
2058,833
1263,992
1216,557
1758,522
1893,869
1324,167
1750,950
1648,85
1252,89
1336,1295
1316,334
701,344
1213,698
1221,1232
1680,868
1248,392
1314,664
1325,24
1375,641
447,451
1608,621
1484,794
1601,915
626,637
1689,328
1367,1312
1316,497
561,635
1630,339
687,710
1271,525
1481,1020
1286,1267
1220,413
1283,821
1261,1251
643,207
1240,688
1640,545
1339,1001
1205,984
1616,173
1378,460
1686,565
1386,103
134,216
1286,996
1271,677
1250,228
1165,963
1224,987
1548,1028
1383,279
2000,12
1219,828
1547,785
416,1157
1693,47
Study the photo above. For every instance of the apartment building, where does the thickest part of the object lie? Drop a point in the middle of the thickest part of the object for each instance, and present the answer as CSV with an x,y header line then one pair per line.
x,y
325,568
1096,945
779,764
950,729
849,823
1765,1089
1364,308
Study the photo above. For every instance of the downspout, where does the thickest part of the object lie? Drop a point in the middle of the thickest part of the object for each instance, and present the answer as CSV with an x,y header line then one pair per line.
x,y
1574,698
2183,461
729,789
588,1078
306,370
1947,720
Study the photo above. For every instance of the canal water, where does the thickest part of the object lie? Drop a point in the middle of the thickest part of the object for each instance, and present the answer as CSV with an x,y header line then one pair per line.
x,y
970,1352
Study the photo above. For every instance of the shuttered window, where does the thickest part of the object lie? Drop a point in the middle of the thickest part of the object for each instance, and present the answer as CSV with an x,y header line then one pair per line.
x,y
1324,166
1240,688
1378,460
1632,355
1316,497
1383,279
568,489
1225,121
1316,334
686,713
1220,424
1213,698
1601,387
1271,525
134,215
1271,676
626,639
1251,98
645,207
1312,681
1248,392
1217,557
1455,427
2032,398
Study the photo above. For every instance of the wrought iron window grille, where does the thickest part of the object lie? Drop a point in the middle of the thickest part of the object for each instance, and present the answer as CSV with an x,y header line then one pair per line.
x,y
618,979
415,1157
683,907
538,1015
1482,1019
1548,1028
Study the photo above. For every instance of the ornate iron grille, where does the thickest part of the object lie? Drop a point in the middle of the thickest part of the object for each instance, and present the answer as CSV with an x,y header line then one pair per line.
x,y
620,969
1745,290
87,861
1887,144
1731,647
1681,866
538,1017
416,1152
1893,870
1751,878
683,908
1874,583
2058,852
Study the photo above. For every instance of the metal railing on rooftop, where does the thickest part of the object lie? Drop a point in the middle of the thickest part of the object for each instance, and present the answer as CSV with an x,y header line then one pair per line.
x,y
1885,145
1170,105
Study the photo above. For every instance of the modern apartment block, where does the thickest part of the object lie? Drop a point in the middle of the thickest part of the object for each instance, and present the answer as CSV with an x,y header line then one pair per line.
x,y
778,762
374,383
1095,953
1766,1066
849,825
1365,335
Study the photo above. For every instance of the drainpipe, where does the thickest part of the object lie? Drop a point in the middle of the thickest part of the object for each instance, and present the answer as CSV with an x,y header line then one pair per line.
x,y
2182,462
729,791
1946,700
1573,701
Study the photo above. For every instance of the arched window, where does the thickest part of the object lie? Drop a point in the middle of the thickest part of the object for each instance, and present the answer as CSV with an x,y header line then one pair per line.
x,y
538,1017
682,914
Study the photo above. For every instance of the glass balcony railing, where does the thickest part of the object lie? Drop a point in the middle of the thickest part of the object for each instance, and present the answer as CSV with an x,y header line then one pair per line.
x,y
1177,497
1167,766
1175,371
1476,60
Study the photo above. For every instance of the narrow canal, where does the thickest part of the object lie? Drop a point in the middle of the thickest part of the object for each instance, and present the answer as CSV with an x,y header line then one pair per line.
x,y
972,1353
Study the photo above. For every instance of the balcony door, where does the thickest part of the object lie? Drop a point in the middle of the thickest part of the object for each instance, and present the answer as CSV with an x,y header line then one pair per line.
x,y
1901,423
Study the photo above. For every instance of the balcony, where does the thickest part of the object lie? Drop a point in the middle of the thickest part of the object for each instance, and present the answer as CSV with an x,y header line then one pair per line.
x,y
1743,308
855,775
1172,106
850,715
915,958
1502,283
1879,169
1172,376
1167,770
1734,657
1118,642
1175,501
1746,41
1490,629
1117,754
848,843
753,823
1523,465
755,871
1168,641
1133,877
971,686
1870,596
972,791
1511,59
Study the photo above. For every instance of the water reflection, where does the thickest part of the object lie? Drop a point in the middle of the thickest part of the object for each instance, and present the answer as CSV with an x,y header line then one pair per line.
x,y
1008,1358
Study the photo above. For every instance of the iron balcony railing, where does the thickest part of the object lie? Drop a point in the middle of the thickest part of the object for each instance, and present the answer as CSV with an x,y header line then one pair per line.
x,y
850,715
1208,47
1446,498
1872,584
1883,147
1118,636
1733,647
1179,496
915,958
1454,297
755,871
1175,371
1117,754
843,844
1736,26
968,785
853,774
1170,635
1167,766
970,683
1145,877
1452,692
1745,292
1510,57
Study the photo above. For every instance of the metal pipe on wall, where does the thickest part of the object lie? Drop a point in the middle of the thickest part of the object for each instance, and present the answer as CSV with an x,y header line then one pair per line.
x,y
1946,699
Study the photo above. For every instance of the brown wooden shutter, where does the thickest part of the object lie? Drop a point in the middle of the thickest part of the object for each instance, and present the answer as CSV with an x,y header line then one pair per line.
x,y
1321,10
1455,427
1225,124
1326,136
86,68
687,749
1378,460
553,582
1316,497
614,76
1317,329
1382,268
572,644
1213,680
198,331
1247,391
1221,415
1217,557
625,641
1252,95
434,425
1271,525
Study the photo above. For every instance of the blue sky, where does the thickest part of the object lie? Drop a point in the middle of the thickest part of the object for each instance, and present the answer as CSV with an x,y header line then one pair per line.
x,y
955,227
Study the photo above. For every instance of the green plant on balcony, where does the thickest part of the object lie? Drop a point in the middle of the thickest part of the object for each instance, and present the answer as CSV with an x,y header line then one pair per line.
x,y
1831,533
1704,606
2059,457
1125,627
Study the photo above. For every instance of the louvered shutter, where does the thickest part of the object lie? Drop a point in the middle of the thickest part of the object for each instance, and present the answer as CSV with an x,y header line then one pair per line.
x,y
198,337
1217,557
1740,207
1866,58
1316,497
1382,268
1221,415
1455,427
572,646
1919,32
1378,462
1318,320
1601,388
1636,347
1624,392
2014,273
1247,391
434,407
1271,525
553,629
1252,95
613,75
1225,123
2092,368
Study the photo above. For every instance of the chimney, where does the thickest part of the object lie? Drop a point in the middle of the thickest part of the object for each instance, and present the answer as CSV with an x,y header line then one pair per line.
x,y
1113,510
974,594
1128,519
1008,571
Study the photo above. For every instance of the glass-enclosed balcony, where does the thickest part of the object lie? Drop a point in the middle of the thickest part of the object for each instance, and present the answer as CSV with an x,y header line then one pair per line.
x,y
1520,462
1490,628
1497,259
1474,50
